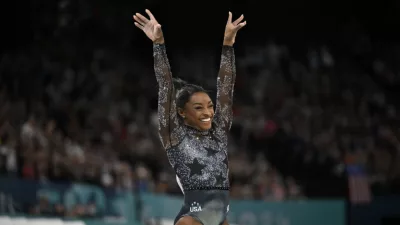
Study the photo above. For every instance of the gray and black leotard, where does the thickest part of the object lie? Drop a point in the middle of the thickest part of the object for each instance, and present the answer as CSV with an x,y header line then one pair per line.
x,y
199,158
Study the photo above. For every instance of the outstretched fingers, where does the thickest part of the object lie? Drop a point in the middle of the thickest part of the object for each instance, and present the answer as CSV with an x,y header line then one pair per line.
x,y
238,24
241,25
139,25
150,15
140,19
238,20
229,18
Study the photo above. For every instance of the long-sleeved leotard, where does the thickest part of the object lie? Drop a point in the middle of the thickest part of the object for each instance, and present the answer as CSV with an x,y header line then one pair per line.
x,y
199,158
225,84
169,123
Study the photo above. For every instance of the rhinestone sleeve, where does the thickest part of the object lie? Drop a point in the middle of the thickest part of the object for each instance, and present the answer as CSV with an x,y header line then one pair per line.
x,y
168,121
225,84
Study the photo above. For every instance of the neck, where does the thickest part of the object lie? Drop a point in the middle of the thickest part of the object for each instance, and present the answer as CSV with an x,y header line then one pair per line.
x,y
196,130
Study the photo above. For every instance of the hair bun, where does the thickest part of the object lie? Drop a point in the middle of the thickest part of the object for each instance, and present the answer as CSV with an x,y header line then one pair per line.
x,y
184,91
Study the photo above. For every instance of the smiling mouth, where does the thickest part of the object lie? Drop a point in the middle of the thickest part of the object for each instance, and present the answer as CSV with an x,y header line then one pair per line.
x,y
206,120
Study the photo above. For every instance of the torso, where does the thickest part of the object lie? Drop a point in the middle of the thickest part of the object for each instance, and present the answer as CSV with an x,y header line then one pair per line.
x,y
200,160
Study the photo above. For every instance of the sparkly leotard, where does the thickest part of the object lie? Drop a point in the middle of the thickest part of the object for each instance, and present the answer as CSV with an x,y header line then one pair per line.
x,y
199,158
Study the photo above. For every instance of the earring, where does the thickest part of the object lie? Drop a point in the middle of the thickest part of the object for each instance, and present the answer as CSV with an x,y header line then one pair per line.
x,y
183,117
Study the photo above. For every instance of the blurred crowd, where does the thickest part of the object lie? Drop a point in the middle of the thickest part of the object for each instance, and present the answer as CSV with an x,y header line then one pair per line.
x,y
75,109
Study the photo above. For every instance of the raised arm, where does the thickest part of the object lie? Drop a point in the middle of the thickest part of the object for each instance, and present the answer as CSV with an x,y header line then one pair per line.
x,y
168,121
227,75
225,84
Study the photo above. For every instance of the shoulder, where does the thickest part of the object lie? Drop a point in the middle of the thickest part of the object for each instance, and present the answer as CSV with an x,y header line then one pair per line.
x,y
218,131
178,135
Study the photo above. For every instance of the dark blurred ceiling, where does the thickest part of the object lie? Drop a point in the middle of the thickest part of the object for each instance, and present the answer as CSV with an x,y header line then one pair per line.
x,y
200,22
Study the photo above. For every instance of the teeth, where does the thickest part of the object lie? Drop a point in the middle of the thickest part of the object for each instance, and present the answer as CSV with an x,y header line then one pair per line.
x,y
206,120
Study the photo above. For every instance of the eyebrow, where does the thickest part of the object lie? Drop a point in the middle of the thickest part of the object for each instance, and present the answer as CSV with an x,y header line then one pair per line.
x,y
197,103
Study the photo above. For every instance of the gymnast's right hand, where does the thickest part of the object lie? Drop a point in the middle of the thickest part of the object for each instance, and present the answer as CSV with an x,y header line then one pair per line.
x,y
150,27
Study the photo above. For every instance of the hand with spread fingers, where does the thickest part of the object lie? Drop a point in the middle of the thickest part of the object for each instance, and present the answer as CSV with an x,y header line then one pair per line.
x,y
232,28
149,26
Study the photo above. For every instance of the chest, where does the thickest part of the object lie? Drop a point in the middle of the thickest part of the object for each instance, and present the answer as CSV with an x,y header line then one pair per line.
x,y
202,147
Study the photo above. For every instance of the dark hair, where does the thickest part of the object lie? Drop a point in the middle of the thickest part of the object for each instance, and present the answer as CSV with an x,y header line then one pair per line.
x,y
184,91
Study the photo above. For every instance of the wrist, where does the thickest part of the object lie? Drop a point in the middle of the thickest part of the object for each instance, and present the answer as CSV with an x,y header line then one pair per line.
x,y
159,41
228,42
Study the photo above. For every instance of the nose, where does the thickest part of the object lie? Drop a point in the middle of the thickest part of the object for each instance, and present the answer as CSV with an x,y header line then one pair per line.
x,y
208,112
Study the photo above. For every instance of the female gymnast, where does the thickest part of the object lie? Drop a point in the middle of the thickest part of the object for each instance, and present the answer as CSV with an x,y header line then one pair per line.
x,y
195,138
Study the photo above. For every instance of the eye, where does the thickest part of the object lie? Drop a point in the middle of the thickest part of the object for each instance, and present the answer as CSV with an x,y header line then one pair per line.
x,y
210,106
198,108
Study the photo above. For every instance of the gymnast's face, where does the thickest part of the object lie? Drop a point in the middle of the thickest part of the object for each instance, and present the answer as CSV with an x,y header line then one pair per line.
x,y
198,111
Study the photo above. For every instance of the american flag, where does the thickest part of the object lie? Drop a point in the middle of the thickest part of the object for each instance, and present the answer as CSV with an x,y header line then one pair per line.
x,y
359,189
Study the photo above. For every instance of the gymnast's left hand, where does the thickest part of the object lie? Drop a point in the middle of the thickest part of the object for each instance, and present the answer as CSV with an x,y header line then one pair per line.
x,y
232,28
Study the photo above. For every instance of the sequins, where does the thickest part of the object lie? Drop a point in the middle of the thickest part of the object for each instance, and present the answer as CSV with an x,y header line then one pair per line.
x,y
168,125
198,157
198,161
225,84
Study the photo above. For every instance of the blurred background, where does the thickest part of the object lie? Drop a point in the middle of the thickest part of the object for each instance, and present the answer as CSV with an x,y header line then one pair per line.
x,y
315,138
